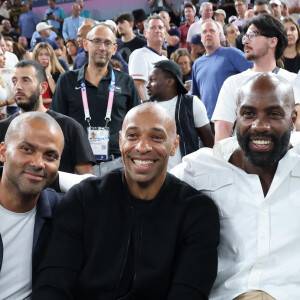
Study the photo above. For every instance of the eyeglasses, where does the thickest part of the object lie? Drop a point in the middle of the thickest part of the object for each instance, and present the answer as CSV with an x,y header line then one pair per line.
x,y
98,43
251,36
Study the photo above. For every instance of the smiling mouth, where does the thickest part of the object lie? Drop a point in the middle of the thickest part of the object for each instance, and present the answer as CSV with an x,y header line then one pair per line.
x,y
261,145
143,163
34,176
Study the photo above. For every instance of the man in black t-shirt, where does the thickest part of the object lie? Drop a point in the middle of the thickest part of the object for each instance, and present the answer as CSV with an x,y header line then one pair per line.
x,y
128,41
29,80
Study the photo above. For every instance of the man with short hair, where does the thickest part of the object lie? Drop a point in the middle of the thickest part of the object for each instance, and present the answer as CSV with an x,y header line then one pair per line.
x,y
55,16
23,42
220,16
172,35
128,41
72,23
165,234
141,60
29,81
254,180
212,68
276,9
31,154
27,21
7,31
262,7
265,40
83,94
189,12
206,13
167,89
241,7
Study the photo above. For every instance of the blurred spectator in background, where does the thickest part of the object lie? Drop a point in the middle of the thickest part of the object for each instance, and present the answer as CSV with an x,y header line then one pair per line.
x,y
220,16
23,42
55,16
189,11
241,7
231,32
291,54
20,52
8,44
139,19
44,54
71,24
72,48
7,31
197,48
27,21
116,64
182,57
276,9
83,13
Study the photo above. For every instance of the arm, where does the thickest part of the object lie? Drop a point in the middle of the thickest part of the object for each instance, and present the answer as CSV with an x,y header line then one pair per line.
x,y
65,30
222,130
206,135
151,3
172,40
294,10
84,168
195,265
58,52
139,85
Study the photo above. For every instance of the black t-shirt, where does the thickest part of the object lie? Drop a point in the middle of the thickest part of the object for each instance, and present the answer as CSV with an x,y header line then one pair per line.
x,y
125,49
67,100
292,64
14,35
77,148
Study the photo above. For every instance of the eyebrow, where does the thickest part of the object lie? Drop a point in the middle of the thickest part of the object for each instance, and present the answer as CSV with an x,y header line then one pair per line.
x,y
34,147
266,109
151,129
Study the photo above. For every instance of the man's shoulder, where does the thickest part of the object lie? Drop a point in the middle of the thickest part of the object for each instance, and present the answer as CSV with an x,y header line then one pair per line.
x,y
48,199
289,76
4,125
63,119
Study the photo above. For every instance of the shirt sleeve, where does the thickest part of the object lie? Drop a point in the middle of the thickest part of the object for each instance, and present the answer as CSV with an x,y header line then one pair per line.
x,y
36,19
137,65
194,87
199,112
62,13
226,103
190,33
239,61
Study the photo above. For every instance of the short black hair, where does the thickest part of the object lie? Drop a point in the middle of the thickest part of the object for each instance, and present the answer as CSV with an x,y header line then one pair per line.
x,y
270,27
124,17
39,69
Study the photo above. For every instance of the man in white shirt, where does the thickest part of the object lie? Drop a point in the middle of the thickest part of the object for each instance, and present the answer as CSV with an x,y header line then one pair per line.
x,y
31,154
11,58
206,10
141,60
264,41
254,179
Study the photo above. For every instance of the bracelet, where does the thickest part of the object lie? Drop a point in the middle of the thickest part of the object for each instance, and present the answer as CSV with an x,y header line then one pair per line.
x,y
49,76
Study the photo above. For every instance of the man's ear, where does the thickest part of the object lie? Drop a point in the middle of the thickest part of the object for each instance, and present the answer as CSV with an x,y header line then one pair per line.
x,y
3,152
43,87
85,45
175,145
294,118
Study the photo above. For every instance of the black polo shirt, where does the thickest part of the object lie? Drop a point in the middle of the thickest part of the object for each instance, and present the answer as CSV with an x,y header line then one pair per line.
x,y
68,101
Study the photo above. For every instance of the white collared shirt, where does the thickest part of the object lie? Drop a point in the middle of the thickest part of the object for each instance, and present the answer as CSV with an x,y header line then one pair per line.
x,y
260,236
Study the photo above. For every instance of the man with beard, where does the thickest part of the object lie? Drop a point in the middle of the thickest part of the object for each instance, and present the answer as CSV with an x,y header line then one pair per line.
x,y
83,94
137,233
265,40
29,82
31,154
254,180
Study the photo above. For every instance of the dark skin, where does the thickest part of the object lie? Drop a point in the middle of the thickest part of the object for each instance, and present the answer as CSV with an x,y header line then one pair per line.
x,y
162,88
265,109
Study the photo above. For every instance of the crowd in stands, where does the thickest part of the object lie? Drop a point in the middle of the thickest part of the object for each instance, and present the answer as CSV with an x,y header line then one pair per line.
x,y
190,60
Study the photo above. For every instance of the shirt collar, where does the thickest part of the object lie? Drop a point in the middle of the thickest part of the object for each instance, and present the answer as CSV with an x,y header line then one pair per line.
x,y
81,72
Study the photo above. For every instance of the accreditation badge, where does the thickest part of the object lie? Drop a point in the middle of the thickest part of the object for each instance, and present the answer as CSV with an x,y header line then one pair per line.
x,y
99,139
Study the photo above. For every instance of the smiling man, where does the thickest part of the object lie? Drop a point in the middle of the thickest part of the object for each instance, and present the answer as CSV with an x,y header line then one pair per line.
x,y
254,180
31,154
138,233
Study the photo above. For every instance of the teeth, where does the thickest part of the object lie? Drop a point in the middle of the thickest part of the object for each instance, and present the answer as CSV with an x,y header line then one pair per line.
x,y
143,163
261,142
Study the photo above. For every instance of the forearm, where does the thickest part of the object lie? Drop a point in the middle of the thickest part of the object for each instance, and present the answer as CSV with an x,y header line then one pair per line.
x,y
222,130
151,3
294,10
172,40
51,82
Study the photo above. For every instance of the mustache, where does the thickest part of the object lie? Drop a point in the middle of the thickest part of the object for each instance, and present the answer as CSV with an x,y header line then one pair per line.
x,y
19,93
34,171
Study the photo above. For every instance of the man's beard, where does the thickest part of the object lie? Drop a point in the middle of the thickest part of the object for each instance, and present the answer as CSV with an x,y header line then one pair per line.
x,y
264,159
33,102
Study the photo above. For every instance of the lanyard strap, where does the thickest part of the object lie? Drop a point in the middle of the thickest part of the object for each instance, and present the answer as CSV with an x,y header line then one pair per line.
x,y
109,104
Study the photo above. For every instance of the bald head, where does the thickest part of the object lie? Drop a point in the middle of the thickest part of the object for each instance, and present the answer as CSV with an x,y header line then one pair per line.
x,y
16,126
266,84
150,110
101,27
